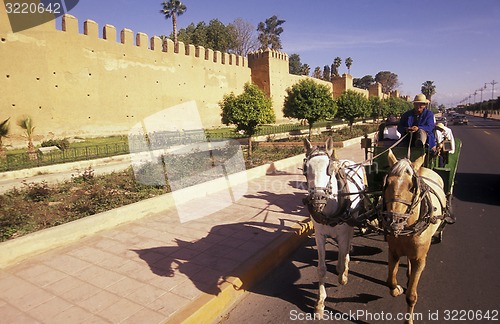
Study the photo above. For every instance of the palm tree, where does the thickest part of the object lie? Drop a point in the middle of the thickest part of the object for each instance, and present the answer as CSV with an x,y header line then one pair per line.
x,y
173,9
27,124
335,66
348,63
4,131
428,89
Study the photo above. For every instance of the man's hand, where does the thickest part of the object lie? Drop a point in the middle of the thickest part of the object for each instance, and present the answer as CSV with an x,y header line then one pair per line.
x,y
412,129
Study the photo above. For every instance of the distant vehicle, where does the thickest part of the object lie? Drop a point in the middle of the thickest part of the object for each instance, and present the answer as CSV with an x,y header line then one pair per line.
x,y
442,120
460,120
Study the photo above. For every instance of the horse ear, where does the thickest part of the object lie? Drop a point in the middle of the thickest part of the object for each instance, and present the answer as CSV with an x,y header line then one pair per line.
x,y
418,162
392,158
308,146
329,148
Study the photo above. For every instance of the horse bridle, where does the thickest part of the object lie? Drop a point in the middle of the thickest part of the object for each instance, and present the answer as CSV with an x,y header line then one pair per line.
x,y
318,196
397,223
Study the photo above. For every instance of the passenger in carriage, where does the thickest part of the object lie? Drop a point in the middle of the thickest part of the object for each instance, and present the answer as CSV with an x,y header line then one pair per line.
x,y
388,130
445,143
420,122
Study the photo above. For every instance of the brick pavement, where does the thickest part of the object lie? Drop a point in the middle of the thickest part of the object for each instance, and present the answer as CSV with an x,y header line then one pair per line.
x,y
156,269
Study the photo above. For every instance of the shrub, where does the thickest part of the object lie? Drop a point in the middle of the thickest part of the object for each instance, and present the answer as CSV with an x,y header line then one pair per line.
x,y
62,144
37,191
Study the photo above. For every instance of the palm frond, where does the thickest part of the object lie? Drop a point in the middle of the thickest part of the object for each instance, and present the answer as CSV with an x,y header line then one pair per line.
x,y
4,128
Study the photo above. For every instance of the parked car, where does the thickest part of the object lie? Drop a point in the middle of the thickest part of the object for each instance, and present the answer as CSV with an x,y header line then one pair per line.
x,y
460,120
442,120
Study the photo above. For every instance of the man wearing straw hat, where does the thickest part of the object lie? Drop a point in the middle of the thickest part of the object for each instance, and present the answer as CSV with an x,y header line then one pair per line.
x,y
419,123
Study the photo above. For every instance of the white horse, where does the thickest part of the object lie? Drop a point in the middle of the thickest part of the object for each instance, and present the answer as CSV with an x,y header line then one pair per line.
x,y
334,202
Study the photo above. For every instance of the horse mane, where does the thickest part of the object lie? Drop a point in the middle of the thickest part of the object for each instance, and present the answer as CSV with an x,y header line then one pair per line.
x,y
401,167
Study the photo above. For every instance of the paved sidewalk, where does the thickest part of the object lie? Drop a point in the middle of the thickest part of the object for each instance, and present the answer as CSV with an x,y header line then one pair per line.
x,y
157,269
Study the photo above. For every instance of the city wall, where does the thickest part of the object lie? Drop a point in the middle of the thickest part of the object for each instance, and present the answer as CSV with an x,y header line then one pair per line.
x,y
76,84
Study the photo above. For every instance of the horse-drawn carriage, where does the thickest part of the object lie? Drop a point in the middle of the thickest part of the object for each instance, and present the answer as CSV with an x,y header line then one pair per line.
x,y
378,165
401,191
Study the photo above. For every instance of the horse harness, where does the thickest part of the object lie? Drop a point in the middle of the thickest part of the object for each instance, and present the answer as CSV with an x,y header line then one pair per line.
x,y
318,197
397,223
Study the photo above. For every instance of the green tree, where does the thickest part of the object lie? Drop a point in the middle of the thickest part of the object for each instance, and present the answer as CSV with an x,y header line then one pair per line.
x,y
220,37
26,123
397,106
317,73
4,132
310,101
327,73
348,63
294,64
269,33
364,83
193,34
305,70
215,36
352,105
247,111
378,107
173,9
428,89
388,80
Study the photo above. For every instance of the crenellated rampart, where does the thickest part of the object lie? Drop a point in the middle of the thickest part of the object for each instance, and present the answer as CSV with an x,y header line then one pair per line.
x,y
80,84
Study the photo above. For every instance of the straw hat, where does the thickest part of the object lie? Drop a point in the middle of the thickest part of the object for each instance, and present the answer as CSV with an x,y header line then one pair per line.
x,y
420,98
440,126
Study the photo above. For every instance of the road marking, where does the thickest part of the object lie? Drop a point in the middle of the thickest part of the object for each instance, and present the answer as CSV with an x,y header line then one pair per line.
x,y
487,133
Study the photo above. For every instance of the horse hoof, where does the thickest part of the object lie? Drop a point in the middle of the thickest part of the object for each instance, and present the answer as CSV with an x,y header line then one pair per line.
x,y
343,280
396,291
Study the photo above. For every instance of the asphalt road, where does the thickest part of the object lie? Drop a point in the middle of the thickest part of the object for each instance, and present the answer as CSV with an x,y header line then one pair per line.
x,y
461,279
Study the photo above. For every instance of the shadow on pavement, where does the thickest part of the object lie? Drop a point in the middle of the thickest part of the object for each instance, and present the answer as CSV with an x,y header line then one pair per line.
x,y
477,188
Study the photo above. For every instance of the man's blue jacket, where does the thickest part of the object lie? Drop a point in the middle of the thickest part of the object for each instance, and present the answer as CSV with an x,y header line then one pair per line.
x,y
425,122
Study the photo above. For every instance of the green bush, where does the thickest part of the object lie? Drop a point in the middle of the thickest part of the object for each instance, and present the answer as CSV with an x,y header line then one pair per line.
x,y
62,144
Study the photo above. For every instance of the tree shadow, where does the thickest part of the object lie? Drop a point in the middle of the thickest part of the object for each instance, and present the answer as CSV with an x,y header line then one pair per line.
x,y
209,261
478,188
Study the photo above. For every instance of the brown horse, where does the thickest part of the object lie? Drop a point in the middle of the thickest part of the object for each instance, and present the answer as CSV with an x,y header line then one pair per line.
x,y
413,207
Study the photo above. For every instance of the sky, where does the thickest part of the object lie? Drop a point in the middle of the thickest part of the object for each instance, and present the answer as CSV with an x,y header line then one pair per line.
x,y
454,43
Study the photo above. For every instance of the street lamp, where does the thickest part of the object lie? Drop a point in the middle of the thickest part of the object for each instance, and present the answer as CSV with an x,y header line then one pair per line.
x,y
492,88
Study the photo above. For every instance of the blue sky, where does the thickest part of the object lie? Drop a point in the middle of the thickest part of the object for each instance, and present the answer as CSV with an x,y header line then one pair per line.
x,y
455,43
